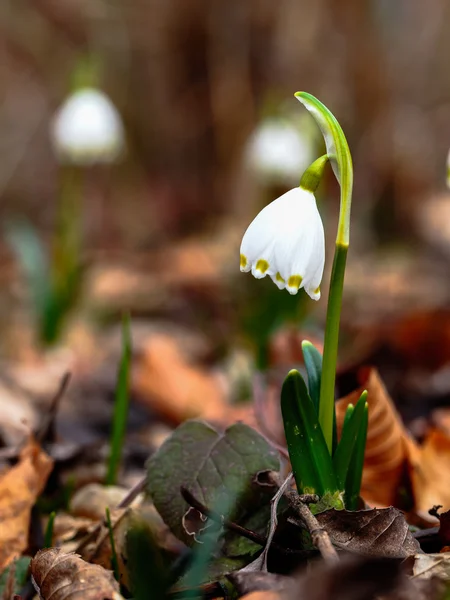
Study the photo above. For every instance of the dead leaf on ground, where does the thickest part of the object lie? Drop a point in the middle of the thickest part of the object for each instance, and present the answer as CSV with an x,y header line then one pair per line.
x,y
180,390
62,576
430,473
19,489
381,532
389,446
262,595
432,565
249,583
91,500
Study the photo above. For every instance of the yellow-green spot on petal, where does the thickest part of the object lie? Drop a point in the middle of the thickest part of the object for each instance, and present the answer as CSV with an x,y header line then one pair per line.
x,y
317,290
243,261
262,265
279,278
295,281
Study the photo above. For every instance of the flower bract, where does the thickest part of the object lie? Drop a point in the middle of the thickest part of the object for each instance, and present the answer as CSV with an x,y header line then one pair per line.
x,y
87,129
286,241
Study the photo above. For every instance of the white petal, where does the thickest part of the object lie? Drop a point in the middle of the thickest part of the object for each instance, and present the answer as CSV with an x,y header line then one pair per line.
x,y
286,241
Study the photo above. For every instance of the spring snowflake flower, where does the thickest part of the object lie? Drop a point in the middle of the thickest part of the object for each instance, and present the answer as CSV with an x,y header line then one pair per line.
x,y
286,241
87,129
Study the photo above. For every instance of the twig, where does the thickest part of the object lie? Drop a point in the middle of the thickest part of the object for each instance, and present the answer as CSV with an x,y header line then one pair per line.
x,y
273,517
46,427
247,533
319,535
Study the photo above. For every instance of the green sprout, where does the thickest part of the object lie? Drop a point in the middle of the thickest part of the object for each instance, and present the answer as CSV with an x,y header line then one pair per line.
x,y
120,405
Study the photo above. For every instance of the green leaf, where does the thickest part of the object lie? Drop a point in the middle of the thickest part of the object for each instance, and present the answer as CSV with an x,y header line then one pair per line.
x,y
313,364
120,405
310,459
214,466
350,431
355,468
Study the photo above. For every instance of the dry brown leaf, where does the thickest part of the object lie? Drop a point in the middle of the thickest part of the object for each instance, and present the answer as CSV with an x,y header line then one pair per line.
x,y
19,489
430,473
263,595
432,565
179,390
389,447
61,576
91,500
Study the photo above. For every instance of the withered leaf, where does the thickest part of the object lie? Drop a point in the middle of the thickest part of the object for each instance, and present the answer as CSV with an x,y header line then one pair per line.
x,y
432,565
246,582
19,488
389,447
61,576
379,532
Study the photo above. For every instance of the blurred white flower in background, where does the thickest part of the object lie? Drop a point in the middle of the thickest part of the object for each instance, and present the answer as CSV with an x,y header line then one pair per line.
x,y
279,151
88,129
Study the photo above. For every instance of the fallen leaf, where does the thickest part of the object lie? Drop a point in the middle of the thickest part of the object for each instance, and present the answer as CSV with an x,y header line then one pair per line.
x,y
430,473
91,500
249,583
213,466
389,447
62,576
178,389
432,565
352,578
19,488
377,532
14,577
262,595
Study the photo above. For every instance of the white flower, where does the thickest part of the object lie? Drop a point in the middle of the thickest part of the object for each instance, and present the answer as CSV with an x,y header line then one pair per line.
x,y
278,150
286,241
87,129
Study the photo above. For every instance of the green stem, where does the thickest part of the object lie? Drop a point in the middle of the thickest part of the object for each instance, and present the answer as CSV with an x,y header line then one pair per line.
x,y
330,349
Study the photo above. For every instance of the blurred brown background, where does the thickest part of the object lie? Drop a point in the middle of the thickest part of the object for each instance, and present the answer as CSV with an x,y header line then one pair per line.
x,y
192,80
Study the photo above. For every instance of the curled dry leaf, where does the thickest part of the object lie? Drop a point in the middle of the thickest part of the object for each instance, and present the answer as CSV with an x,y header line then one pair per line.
x,y
389,447
430,473
62,576
379,532
432,565
19,488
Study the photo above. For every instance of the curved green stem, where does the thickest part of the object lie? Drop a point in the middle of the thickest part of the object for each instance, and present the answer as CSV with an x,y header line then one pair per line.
x,y
341,161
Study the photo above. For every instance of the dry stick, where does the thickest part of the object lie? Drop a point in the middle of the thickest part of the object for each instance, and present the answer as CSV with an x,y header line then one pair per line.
x,y
247,533
319,536
48,421
273,518
132,495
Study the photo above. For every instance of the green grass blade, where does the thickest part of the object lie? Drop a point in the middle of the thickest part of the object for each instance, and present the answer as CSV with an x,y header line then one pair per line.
x,y
355,469
352,424
120,405
313,364
310,459
48,536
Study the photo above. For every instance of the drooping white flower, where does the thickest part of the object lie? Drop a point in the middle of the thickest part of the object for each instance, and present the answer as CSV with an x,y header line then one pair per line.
x,y
87,129
278,150
286,241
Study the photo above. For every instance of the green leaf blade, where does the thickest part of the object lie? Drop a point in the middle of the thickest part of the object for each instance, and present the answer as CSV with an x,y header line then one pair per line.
x,y
311,461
